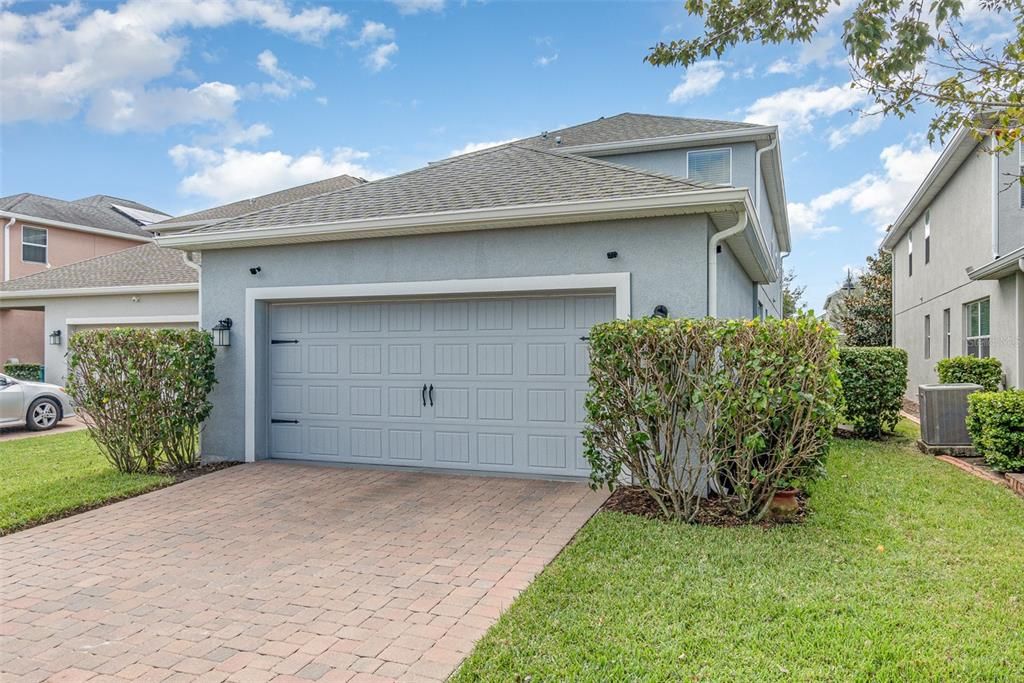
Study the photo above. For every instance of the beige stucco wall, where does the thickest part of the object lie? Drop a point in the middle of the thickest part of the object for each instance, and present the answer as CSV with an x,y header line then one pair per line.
x,y
20,334
961,237
64,246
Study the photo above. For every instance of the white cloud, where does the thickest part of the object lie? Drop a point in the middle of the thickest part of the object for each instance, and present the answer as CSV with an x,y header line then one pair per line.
x,y
63,59
470,147
546,60
783,66
795,109
231,174
118,110
417,6
374,32
283,84
868,120
380,57
700,79
881,195
322,101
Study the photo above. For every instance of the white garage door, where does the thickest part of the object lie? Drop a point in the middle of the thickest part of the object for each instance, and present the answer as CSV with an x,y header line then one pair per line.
x,y
480,384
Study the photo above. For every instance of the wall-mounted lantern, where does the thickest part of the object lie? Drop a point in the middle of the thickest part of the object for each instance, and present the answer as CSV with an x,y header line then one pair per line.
x,y
55,338
660,311
222,332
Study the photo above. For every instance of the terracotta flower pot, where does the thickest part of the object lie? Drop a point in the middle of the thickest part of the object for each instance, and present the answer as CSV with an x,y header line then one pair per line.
x,y
784,502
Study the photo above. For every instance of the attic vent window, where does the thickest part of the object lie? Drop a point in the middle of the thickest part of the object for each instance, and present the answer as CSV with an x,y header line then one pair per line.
x,y
712,166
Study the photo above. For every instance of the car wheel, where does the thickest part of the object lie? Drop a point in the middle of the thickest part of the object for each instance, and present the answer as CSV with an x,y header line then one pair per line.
x,y
43,414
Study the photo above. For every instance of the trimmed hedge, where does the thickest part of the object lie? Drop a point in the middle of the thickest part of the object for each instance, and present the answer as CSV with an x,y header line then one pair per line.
x,y
988,372
143,393
874,379
741,408
995,421
30,372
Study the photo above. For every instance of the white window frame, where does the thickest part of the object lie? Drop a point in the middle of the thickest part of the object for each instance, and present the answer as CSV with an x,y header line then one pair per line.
x,y
947,332
927,235
910,253
45,246
927,337
968,337
701,151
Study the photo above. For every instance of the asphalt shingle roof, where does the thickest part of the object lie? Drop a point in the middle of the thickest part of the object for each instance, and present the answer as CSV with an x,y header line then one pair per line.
x,y
628,126
94,211
138,266
508,175
266,201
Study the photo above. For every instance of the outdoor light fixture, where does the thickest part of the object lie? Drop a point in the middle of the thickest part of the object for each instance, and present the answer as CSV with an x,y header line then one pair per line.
x,y
612,254
55,338
660,311
255,270
222,332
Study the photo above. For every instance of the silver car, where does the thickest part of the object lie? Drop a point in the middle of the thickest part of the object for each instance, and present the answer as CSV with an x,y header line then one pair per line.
x,y
37,405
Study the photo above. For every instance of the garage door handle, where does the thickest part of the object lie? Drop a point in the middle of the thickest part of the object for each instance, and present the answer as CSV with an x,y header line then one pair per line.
x,y
284,422
431,395
284,341
423,395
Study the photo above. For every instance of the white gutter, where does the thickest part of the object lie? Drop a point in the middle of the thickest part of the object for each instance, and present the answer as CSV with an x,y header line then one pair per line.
x,y
757,173
995,199
189,258
7,249
25,218
666,142
691,201
9,297
713,243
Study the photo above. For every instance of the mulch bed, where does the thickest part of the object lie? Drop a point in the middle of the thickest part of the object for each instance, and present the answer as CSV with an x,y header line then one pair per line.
x,y
633,500
179,477
911,408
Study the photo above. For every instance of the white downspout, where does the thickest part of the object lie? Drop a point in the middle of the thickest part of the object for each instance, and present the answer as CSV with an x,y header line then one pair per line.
x,y
757,173
995,200
7,249
741,224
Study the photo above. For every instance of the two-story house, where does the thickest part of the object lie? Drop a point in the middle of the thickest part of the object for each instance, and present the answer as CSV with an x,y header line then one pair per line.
x,y
958,255
40,233
439,318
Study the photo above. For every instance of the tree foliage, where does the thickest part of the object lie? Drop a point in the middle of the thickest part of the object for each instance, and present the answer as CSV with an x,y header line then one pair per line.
x,y
904,54
865,319
792,294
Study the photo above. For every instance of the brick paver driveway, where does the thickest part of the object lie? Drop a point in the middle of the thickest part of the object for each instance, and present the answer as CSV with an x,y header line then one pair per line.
x,y
279,572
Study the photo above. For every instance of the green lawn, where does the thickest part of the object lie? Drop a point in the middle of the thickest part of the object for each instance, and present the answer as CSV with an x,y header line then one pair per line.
x,y
908,569
44,476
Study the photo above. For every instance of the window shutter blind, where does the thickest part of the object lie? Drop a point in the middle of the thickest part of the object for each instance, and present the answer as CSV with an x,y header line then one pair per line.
x,y
711,166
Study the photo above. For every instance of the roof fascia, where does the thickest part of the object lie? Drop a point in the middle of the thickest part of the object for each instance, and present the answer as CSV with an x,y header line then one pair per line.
x,y
26,218
7,298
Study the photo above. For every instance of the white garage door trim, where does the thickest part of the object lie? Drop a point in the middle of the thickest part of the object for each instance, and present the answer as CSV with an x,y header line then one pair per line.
x,y
617,282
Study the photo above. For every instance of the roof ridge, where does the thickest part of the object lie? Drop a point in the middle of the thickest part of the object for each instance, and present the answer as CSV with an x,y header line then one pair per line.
x,y
621,167
688,118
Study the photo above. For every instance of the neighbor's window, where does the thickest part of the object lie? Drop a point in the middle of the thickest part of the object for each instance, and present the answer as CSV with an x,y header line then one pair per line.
x,y
910,252
927,336
33,245
712,166
978,339
927,235
947,335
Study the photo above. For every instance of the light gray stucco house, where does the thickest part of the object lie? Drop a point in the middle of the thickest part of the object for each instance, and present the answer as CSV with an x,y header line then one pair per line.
x,y
436,318
139,286
957,253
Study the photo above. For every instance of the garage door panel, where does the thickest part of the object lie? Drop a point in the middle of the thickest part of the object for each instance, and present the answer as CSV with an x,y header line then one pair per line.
x,y
509,378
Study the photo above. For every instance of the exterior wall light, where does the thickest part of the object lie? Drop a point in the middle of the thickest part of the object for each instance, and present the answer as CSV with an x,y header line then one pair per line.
x,y
55,338
660,311
222,332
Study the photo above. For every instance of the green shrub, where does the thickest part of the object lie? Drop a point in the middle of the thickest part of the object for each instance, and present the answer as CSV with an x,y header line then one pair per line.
x,y
143,393
30,372
874,379
988,372
687,407
995,421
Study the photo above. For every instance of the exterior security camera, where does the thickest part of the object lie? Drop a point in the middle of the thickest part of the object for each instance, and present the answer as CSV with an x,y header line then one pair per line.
x,y
255,270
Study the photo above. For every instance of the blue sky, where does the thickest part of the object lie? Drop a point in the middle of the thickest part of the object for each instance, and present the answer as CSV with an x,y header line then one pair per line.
x,y
184,105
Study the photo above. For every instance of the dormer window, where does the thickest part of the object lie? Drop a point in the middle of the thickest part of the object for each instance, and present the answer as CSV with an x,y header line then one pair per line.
x,y
712,166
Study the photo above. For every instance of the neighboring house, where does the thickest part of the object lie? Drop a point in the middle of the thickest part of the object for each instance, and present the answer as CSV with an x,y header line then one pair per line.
x,y
835,302
438,318
957,248
40,233
143,286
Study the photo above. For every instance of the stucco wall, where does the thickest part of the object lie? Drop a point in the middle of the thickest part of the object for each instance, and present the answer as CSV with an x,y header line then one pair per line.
x,y
961,237
666,257
106,308
63,247
1011,215
20,334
